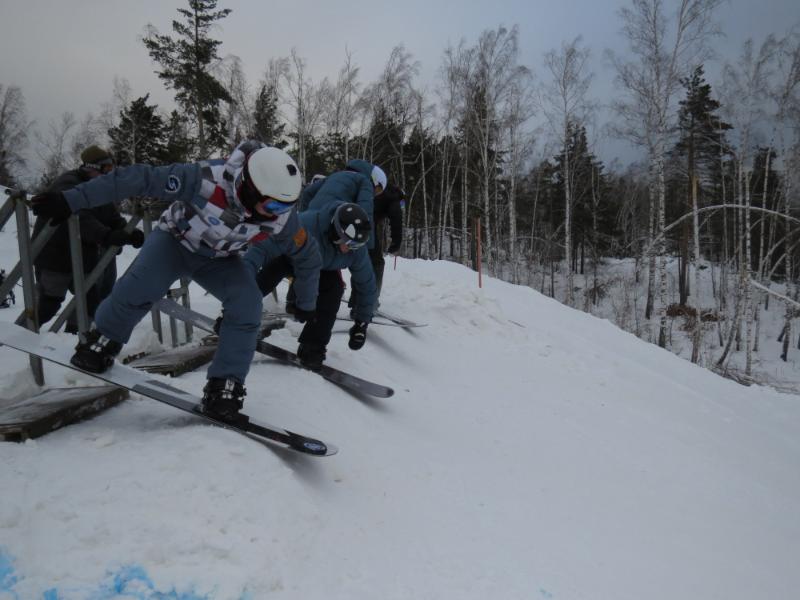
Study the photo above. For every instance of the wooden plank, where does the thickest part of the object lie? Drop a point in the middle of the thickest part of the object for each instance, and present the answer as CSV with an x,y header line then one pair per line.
x,y
35,416
176,361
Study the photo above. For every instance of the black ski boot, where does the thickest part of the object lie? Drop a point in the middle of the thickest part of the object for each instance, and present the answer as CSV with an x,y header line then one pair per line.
x,y
311,356
95,354
223,399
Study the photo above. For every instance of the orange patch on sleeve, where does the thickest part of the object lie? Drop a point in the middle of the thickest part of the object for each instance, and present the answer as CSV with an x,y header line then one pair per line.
x,y
300,237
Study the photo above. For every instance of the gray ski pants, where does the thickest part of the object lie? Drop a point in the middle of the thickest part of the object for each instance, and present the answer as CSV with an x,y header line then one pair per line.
x,y
161,261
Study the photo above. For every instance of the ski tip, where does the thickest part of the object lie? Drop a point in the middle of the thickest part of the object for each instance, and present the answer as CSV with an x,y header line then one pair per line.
x,y
314,447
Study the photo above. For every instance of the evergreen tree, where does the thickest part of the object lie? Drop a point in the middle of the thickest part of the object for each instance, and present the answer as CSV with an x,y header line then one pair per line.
x,y
178,145
702,134
140,135
267,126
185,62
592,222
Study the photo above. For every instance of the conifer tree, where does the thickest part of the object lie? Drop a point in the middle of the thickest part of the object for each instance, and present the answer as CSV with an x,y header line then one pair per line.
x,y
140,135
178,144
267,126
186,61
702,135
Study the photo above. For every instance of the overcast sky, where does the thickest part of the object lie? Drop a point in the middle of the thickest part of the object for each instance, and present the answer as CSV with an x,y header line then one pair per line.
x,y
64,54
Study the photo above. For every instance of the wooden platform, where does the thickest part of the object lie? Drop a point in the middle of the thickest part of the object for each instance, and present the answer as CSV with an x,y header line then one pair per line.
x,y
176,361
34,416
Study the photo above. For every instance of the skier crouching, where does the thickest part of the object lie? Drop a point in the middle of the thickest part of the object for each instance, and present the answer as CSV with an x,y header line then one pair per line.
x,y
216,211
341,231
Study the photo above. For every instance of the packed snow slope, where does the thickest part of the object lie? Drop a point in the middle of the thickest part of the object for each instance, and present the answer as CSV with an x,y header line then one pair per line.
x,y
530,452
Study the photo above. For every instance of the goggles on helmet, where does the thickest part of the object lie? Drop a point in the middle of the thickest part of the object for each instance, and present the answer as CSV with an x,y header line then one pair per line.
x,y
350,243
251,198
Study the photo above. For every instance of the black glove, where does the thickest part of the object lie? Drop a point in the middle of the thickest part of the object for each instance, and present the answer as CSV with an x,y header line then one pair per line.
x,y
217,324
51,205
393,248
302,316
137,238
120,237
358,335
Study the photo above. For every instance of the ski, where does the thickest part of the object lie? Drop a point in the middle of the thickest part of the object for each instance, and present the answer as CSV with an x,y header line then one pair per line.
x,y
374,322
398,320
142,383
340,378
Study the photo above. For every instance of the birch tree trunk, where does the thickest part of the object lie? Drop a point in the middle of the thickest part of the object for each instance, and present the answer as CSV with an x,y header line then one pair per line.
x,y
697,337
748,289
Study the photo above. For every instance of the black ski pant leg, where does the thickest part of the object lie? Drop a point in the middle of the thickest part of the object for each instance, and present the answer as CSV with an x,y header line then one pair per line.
x,y
378,264
273,273
51,290
331,290
93,298
47,307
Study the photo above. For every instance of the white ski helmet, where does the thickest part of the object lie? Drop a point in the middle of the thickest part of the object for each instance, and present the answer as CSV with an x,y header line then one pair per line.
x,y
378,177
273,173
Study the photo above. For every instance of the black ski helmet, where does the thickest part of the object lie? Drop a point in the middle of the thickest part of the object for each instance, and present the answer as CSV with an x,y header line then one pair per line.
x,y
351,226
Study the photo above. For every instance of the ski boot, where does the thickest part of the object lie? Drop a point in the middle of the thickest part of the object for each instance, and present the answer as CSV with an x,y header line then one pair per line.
x,y
96,354
223,399
311,356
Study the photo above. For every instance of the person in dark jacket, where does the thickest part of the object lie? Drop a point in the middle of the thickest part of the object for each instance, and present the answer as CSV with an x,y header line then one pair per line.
x,y
100,228
341,231
359,182
387,205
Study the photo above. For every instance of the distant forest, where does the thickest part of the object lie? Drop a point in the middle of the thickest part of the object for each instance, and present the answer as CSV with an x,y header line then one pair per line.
x,y
503,152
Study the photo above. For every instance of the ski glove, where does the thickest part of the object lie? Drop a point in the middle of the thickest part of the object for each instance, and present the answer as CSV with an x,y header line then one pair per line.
x,y
358,335
120,237
303,316
51,205
393,248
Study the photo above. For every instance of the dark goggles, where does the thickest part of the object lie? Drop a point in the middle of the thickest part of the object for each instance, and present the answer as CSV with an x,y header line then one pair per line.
x,y
352,244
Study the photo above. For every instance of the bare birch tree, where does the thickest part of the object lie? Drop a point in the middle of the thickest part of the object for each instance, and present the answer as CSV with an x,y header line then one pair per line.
x,y
456,72
744,88
13,134
494,71
237,111
121,97
342,106
393,97
565,104
665,47
305,102
786,98
53,147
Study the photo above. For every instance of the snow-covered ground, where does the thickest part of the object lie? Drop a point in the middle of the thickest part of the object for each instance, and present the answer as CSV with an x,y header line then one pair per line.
x,y
623,301
530,452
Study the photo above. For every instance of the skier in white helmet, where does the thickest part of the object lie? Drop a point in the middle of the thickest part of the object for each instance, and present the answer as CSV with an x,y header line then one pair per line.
x,y
217,209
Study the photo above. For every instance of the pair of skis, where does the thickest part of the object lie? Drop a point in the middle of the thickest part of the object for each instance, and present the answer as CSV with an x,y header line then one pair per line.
x,y
388,320
341,378
142,383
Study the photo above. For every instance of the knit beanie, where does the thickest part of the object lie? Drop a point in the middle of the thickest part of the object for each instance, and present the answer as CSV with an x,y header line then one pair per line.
x,y
94,157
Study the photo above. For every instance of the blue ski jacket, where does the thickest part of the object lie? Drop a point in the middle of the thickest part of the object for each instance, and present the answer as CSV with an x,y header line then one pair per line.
x,y
317,223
